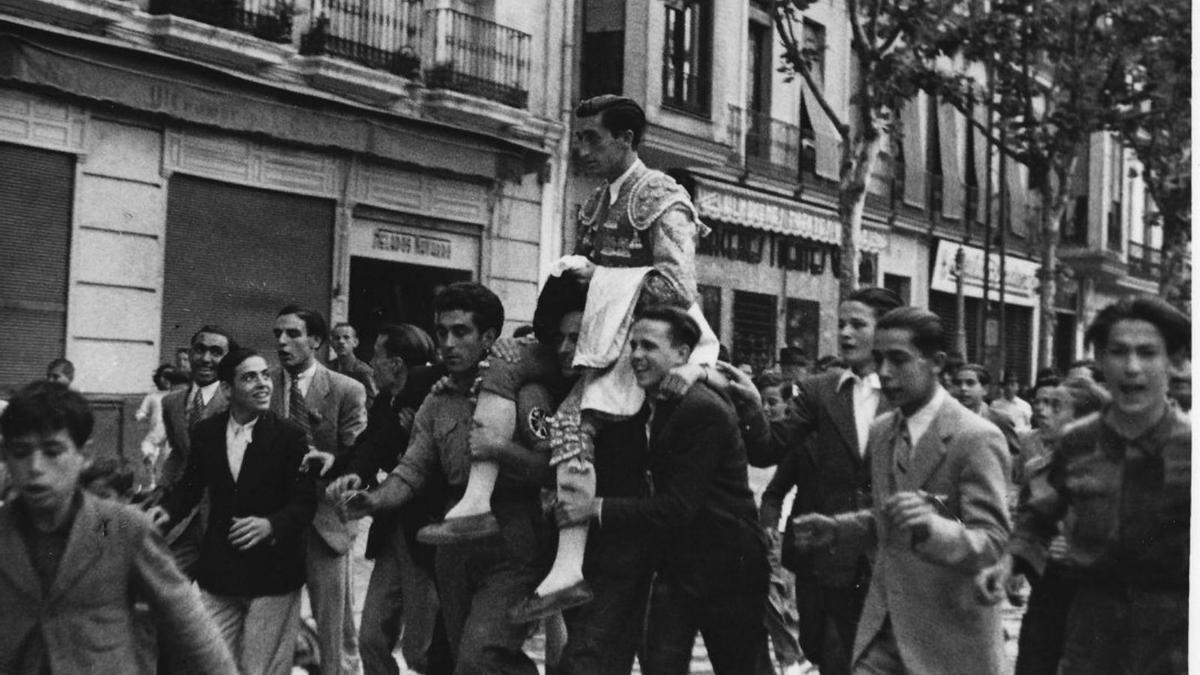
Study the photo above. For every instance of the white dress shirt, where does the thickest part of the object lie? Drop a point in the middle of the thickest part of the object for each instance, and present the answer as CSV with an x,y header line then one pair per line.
x,y
918,422
237,437
614,188
865,395
207,392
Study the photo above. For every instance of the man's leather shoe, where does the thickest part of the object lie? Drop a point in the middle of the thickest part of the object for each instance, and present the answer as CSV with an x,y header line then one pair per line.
x,y
539,606
456,530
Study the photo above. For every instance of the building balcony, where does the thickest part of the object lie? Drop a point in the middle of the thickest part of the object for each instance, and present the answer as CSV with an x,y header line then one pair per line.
x,y
1145,262
1105,265
477,57
764,143
266,19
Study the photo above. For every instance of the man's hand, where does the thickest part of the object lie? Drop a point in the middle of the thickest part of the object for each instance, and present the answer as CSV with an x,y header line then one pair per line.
x,y
248,532
680,379
576,511
509,349
341,489
909,511
741,388
1058,550
484,444
405,417
314,458
814,531
358,504
991,582
583,272
158,515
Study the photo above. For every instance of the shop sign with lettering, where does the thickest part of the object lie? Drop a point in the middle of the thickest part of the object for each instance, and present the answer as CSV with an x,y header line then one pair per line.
x,y
1020,275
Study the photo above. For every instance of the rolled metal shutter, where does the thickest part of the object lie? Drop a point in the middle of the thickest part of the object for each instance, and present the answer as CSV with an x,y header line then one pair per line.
x,y
236,255
37,190
754,323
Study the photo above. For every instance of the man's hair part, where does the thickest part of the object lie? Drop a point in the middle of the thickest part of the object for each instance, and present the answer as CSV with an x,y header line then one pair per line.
x,y
618,114
61,364
880,300
478,300
46,408
981,372
928,335
227,368
407,342
212,329
314,322
1172,324
682,328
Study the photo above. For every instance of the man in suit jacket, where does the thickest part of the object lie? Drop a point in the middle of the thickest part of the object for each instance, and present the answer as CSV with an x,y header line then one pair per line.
x,y
825,432
709,553
401,599
73,565
939,478
331,409
181,409
260,504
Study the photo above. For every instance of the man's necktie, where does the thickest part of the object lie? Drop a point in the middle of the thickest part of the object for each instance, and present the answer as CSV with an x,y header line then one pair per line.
x,y
195,410
297,410
902,444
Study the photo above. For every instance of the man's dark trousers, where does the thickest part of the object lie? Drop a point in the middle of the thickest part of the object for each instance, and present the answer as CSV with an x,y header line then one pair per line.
x,y
479,581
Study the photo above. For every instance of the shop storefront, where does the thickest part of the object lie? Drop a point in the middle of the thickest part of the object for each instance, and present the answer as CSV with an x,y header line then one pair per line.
x,y
1007,345
768,272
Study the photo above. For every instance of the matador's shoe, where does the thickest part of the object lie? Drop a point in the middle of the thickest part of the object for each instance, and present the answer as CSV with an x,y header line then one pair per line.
x,y
457,530
540,606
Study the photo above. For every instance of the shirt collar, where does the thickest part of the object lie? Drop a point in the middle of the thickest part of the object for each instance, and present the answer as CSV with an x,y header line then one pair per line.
x,y
1152,440
246,428
614,188
208,390
306,374
871,381
919,421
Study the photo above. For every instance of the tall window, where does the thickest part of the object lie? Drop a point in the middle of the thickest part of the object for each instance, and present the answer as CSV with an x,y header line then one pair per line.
x,y
758,103
686,56
602,59
814,50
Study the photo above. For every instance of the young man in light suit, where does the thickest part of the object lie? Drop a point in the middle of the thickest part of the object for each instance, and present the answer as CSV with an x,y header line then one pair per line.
x,y
331,409
72,565
939,483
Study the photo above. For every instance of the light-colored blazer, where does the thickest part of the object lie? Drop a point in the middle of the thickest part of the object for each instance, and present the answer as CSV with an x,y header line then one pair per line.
x,y
113,555
337,414
927,589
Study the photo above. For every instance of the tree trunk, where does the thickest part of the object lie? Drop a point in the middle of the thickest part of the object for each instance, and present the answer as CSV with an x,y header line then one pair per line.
x,y
1054,205
1175,281
858,160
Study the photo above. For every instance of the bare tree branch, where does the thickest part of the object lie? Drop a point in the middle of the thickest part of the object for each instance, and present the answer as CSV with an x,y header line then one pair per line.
x,y
792,47
856,26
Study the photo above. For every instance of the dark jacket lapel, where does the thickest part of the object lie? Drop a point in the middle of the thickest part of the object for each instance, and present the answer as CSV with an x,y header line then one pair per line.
x,y
84,546
15,562
841,410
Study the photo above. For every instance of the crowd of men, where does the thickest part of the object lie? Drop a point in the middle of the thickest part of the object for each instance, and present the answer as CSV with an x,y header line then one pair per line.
x,y
917,506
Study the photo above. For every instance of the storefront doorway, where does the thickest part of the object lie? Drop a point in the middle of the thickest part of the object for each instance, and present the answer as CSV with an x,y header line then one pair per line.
x,y
382,291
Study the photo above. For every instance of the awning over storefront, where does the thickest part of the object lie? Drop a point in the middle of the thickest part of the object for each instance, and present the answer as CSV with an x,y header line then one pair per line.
x,y
760,210
156,83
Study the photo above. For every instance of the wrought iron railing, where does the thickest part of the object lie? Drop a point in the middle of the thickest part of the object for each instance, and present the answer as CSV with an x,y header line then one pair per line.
x,y
267,19
383,34
765,140
1145,262
475,56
